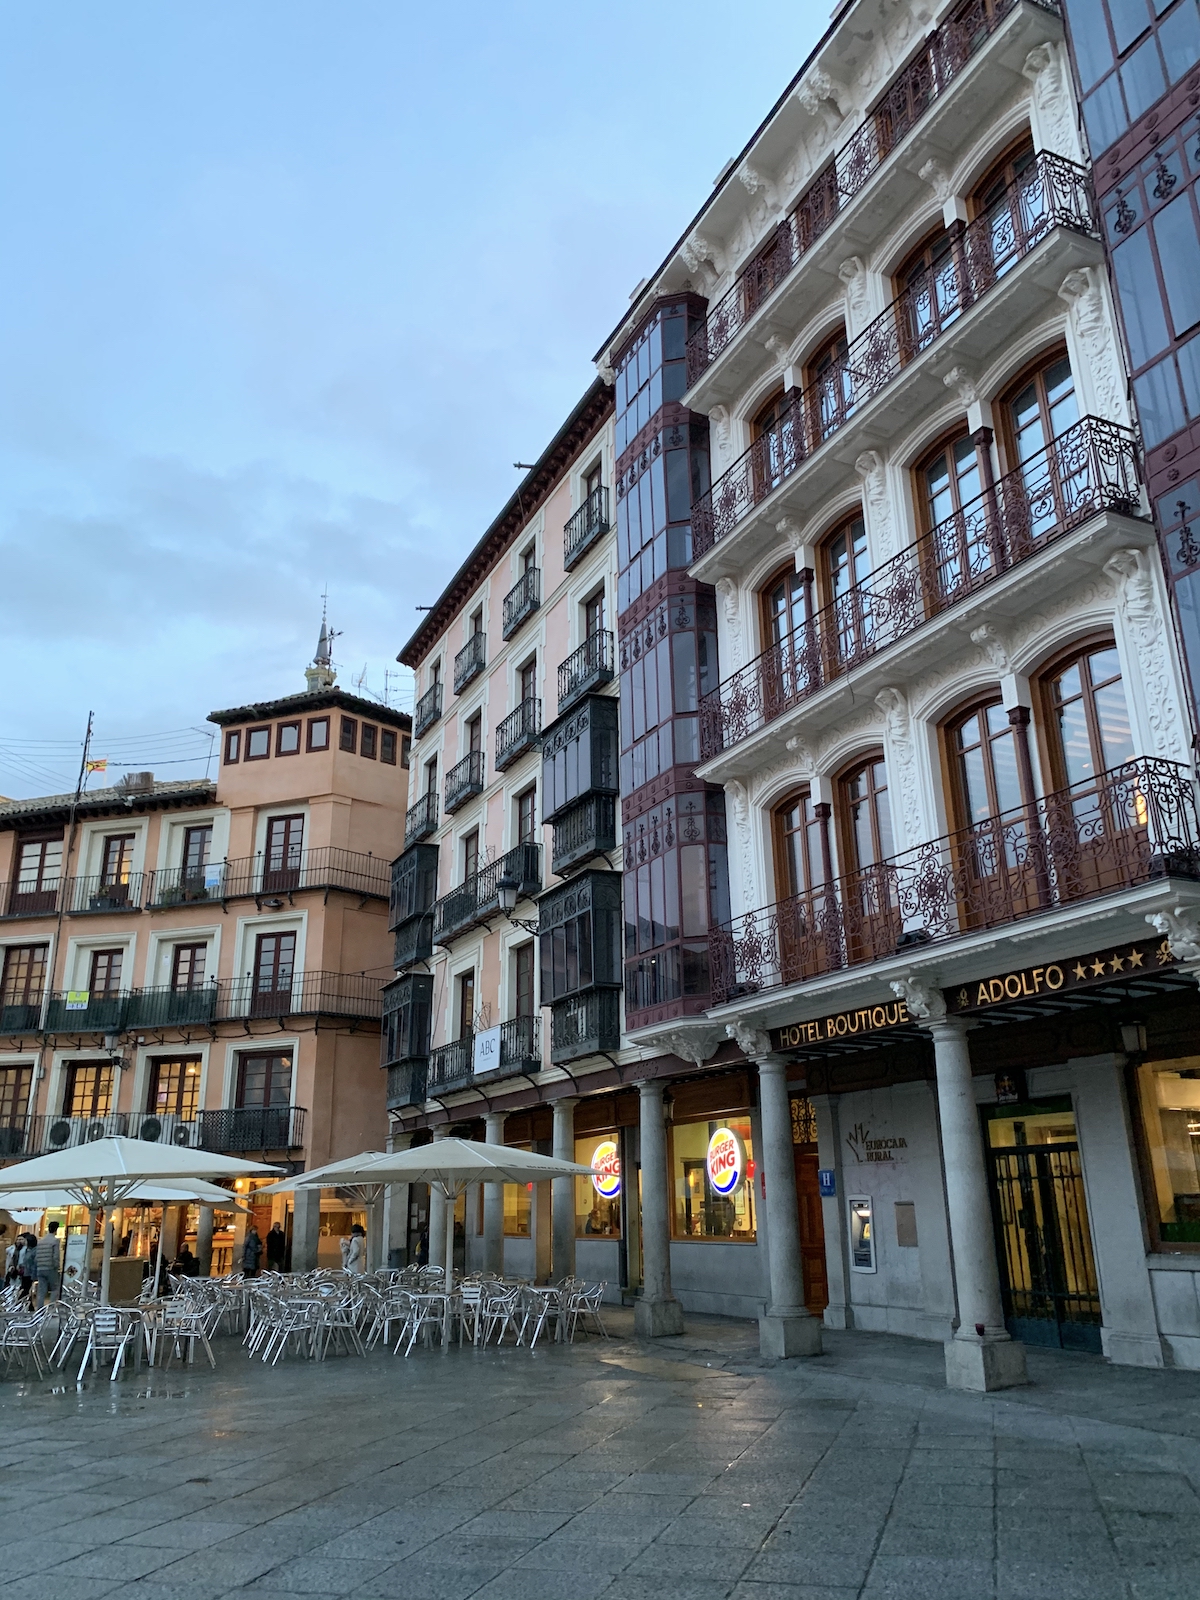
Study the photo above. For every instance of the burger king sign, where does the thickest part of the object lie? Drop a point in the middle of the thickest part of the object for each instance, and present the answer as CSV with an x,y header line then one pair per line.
x,y
726,1162
606,1170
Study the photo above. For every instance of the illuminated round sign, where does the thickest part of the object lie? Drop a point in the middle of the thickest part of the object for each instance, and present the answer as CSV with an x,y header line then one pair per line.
x,y
606,1170
726,1162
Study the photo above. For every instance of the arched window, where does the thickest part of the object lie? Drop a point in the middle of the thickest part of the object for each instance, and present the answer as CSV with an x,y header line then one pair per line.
x,y
771,428
948,482
843,562
1086,715
947,479
984,772
1040,406
845,559
827,382
927,287
799,863
865,814
1003,173
784,603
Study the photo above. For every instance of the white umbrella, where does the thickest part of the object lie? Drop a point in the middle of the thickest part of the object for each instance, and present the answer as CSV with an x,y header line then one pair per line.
x,y
450,1165
105,1172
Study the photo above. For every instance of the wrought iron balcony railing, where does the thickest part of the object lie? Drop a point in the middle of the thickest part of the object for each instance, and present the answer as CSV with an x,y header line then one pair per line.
x,y
518,733
585,669
585,1024
170,1008
427,710
521,1044
1126,827
82,1011
407,1084
31,900
451,1066
587,830
464,780
65,1131
1051,193
924,80
327,867
477,898
253,1128
21,1136
522,600
422,819
414,941
102,893
24,1016
337,994
1092,467
590,522
185,886
470,661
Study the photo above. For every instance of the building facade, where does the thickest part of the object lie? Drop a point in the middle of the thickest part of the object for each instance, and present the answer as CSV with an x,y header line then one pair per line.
x,y
201,961
909,857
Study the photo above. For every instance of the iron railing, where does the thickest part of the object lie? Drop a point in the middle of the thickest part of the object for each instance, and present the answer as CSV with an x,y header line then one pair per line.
x,y
414,941
585,669
1125,827
326,867
427,710
1051,193
338,994
451,1065
253,1128
522,600
82,1011
464,780
914,90
589,523
64,1132
21,1017
1092,467
470,661
422,819
20,1136
40,900
518,732
165,1007
407,1084
185,886
521,1044
478,896
585,1024
101,893
587,830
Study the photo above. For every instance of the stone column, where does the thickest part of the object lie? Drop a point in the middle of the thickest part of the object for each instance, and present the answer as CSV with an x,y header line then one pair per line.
x,y
657,1312
395,1210
493,1202
787,1327
306,1228
981,1355
437,1218
563,1191
204,1233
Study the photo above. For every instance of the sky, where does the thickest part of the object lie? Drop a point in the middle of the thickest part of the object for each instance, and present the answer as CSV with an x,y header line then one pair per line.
x,y
286,288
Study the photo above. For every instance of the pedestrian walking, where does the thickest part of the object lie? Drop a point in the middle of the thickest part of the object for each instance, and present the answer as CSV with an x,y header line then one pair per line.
x,y
276,1248
354,1250
47,1261
252,1250
27,1263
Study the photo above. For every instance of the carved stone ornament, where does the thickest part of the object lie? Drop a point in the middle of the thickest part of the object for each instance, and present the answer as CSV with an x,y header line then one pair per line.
x,y
731,604
790,531
1053,101
880,518
751,1041
689,1044
818,96
740,796
777,348
902,759
1083,292
858,303
991,642
935,175
1180,927
1149,633
701,257
719,422
921,995
959,381
607,373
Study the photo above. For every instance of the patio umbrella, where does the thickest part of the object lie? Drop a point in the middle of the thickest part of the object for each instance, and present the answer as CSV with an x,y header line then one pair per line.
x,y
105,1172
450,1165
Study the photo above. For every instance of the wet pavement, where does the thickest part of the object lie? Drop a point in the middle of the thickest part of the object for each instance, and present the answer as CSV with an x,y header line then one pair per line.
x,y
684,1469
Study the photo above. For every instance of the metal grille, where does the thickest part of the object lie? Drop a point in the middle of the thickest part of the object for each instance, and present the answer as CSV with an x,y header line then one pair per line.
x,y
1051,1293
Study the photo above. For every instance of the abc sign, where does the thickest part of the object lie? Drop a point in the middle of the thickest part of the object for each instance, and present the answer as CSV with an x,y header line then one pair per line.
x,y
606,1170
726,1162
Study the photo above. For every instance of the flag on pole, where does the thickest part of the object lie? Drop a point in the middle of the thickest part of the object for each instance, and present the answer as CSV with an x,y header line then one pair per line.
x,y
98,766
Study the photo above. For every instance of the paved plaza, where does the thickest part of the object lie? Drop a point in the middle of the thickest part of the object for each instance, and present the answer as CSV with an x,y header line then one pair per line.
x,y
683,1470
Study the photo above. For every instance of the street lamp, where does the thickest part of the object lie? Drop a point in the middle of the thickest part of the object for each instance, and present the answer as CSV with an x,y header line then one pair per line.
x,y
508,888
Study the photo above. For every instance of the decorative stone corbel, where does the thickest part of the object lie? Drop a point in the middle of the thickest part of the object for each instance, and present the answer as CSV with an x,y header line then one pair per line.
x,y
751,1041
1180,926
790,531
719,421
870,469
606,372
731,603
817,95
1082,291
853,274
892,705
1053,102
689,1044
921,995
1148,633
992,643
936,176
959,381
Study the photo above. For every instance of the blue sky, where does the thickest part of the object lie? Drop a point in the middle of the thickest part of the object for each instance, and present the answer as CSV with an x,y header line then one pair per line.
x,y
286,288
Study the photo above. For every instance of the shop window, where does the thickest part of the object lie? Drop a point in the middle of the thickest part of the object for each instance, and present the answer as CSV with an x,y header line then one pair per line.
x,y
598,1198
713,1180
518,1208
1169,1095
1087,716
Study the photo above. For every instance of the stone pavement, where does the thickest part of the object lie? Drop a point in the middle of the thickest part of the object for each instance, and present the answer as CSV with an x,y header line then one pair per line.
x,y
683,1470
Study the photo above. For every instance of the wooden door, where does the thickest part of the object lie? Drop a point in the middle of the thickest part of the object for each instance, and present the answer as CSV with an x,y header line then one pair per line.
x,y
812,1229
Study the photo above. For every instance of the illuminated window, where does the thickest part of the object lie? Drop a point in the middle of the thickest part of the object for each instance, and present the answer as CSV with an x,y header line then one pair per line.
x,y
713,1180
598,1199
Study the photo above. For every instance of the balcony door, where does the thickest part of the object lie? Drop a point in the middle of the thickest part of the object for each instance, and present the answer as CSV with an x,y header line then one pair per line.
x,y
872,922
995,853
24,980
960,547
39,870
197,847
89,1090
285,843
263,1107
846,619
15,1084
808,937
788,667
174,1089
274,969
116,868
1037,410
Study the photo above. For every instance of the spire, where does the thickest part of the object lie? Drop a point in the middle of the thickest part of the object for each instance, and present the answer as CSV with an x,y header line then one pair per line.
x,y
321,674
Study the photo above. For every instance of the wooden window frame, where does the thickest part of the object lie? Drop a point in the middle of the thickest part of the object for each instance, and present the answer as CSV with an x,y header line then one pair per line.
x,y
233,747
368,741
1049,751
250,733
107,951
786,573
348,735
1016,146
156,1064
279,730
848,862
244,1057
824,575
527,794
387,746
473,729
779,846
176,951
1029,372
313,724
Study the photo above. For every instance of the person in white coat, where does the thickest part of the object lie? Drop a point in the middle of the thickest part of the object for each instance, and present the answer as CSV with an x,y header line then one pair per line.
x,y
354,1250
